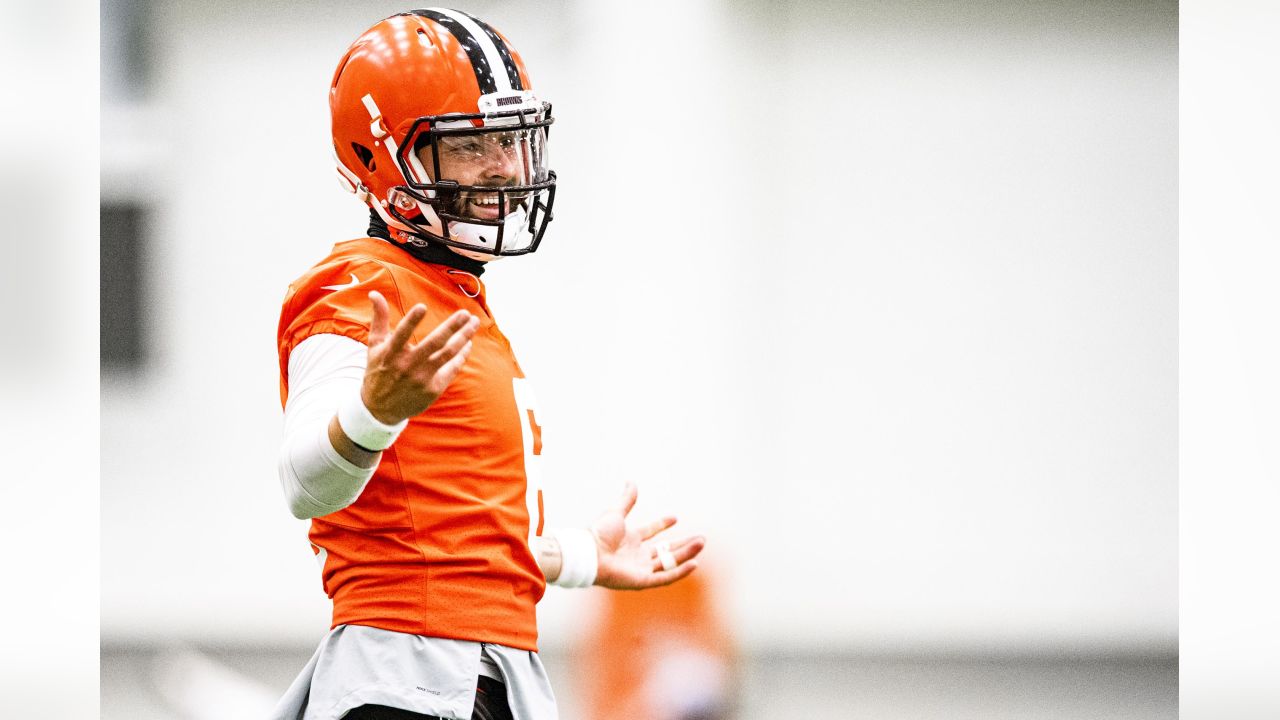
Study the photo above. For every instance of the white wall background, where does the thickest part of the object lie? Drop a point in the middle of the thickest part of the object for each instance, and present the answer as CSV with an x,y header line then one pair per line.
x,y
880,297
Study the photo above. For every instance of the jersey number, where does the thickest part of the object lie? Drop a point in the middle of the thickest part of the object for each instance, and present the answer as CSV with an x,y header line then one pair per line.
x,y
531,431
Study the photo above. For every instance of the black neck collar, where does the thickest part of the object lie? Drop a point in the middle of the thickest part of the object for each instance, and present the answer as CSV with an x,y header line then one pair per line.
x,y
433,253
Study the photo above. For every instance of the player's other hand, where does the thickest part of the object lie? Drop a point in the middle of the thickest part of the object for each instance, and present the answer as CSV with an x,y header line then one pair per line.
x,y
631,557
403,378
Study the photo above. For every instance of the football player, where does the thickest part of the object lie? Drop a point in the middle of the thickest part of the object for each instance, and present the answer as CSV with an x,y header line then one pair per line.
x,y
412,437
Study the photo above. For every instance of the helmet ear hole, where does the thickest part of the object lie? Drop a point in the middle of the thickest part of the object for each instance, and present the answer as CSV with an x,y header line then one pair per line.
x,y
365,155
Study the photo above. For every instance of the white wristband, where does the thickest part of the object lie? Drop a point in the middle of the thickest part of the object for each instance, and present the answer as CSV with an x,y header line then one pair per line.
x,y
363,428
578,557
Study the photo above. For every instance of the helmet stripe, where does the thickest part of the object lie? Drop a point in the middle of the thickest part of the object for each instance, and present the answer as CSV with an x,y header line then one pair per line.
x,y
513,73
490,58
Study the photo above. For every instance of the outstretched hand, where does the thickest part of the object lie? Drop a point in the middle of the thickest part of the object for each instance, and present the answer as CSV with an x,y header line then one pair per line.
x,y
402,379
630,556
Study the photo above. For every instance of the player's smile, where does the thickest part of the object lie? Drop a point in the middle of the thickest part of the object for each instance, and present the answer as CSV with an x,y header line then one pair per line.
x,y
483,206
486,206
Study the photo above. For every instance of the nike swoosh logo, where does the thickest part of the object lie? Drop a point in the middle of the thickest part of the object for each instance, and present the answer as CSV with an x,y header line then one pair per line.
x,y
354,282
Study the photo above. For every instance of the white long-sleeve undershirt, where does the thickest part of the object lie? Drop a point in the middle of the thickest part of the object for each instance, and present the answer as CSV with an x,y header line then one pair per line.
x,y
324,370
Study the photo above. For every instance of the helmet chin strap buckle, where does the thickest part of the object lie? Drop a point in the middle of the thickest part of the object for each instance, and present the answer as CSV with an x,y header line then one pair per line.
x,y
359,191
349,181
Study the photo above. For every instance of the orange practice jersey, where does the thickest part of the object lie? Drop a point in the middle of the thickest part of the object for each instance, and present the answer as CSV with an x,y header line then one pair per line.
x,y
437,543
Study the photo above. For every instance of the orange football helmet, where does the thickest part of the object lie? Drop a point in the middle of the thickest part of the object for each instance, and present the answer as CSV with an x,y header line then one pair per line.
x,y
437,129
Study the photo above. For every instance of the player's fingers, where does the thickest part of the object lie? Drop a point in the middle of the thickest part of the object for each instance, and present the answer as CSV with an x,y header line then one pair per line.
x,y
442,333
666,577
686,548
407,325
681,552
448,371
454,343
629,495
648,530
379,325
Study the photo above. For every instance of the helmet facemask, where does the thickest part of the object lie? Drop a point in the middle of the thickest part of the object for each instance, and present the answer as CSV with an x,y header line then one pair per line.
x,y
477,183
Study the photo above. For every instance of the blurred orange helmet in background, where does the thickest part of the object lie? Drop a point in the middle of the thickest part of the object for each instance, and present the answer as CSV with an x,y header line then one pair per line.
x,y
662,654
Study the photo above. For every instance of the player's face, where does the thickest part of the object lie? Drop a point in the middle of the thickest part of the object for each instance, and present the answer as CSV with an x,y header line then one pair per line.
x,y
495,159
